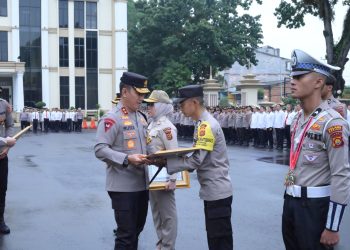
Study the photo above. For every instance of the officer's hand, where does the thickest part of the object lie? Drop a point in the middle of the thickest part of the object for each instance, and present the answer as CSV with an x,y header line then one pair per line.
x,y
329,238
137,159
10,141
4,153
170,185
9,109
159,162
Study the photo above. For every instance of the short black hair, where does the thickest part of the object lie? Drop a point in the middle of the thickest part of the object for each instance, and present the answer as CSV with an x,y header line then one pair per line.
x,y
122,86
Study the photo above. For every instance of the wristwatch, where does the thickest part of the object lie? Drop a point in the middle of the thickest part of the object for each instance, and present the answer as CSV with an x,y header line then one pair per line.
x,y
125,162
173,180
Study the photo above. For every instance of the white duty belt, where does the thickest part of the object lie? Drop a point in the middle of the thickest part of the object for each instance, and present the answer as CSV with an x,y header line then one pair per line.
x,y
311,192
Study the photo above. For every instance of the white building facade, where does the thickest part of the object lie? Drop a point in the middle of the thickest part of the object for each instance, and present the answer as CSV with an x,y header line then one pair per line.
x,y
271,67
65,53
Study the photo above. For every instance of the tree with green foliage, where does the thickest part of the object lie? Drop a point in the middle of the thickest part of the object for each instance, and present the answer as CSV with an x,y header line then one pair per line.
x,y
291,13
40,105
290,100
175,42
224,102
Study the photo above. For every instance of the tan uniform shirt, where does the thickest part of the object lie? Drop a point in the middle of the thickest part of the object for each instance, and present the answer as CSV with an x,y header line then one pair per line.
x,y
338,106
121,133
211,160
162,135
239,120
247,119
6,122
224,121
323,159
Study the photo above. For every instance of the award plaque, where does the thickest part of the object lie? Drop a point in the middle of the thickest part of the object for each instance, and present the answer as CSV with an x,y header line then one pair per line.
x,y
182,178
172,152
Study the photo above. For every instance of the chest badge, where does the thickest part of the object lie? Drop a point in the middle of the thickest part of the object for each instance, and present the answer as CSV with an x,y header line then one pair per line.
x,y
311,157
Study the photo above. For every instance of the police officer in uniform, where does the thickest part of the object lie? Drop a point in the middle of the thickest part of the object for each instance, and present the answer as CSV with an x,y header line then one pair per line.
x,y
327,94
318,180
212,165
6,142
121,144
162,135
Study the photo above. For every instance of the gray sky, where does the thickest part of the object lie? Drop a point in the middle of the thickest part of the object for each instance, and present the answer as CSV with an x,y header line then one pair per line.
x,y
308,38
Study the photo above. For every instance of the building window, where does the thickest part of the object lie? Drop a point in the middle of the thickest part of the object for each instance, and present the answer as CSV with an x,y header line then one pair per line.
x,y
91,15
80,92
79,52
91,88
64,52
30,49
64,92
3,7
91,50
91,69
79,14
63,13
3,46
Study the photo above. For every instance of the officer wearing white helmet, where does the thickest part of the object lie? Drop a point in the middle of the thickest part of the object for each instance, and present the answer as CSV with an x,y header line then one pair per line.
x,y
318,180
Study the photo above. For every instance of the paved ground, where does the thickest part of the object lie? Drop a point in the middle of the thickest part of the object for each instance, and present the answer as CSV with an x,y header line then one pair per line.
x,y
56,199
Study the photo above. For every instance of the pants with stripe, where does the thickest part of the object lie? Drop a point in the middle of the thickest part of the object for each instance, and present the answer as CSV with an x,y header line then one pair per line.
x,y
303,221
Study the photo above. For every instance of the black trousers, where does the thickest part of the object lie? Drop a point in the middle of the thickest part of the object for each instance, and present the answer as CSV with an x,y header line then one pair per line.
x,y
23,124
262,137
218,224
303,221
3,183
69,124
226,134
46,125
287,135
130,212
240,135
279,137
35,125
269,137
254,134
57,125
79,122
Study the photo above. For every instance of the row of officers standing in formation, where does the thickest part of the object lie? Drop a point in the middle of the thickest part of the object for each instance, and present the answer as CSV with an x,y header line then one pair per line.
x,y
54,119
317,185
262,127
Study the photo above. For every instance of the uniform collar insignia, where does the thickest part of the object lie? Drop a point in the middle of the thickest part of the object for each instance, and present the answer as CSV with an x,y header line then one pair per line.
x,y
317,111
124,110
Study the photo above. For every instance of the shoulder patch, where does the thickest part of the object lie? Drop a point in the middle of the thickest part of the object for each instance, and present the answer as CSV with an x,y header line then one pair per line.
x,y
205,138
337,140
108,123
168,133
340,110
334,129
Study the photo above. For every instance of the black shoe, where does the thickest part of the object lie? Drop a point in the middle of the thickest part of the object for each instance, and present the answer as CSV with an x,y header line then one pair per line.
x,y
4,229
